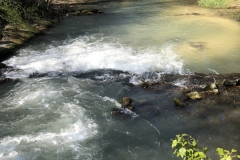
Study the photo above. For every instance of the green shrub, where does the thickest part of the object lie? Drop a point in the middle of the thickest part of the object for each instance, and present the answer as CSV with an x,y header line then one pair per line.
x,y
226,154
21,13
12,11
187,148
215,3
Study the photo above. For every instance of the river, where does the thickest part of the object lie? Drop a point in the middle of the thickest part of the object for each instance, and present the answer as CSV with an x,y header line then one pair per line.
x,y
69,80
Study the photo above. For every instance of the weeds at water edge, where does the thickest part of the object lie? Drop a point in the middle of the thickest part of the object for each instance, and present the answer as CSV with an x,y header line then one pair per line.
x,y
215,3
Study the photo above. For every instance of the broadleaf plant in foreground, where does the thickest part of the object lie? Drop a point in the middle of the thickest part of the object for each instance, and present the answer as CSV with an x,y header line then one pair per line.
x,y
187,148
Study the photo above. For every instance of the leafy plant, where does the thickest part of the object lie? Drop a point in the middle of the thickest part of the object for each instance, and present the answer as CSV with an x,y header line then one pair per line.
x,y
226,154
214,3
187,148
21,13
12,12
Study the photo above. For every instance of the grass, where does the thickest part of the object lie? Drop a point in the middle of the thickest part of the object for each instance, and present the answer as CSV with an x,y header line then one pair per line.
x,y
215,3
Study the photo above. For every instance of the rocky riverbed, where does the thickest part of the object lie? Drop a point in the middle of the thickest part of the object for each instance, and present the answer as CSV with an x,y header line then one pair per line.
x,y
200,95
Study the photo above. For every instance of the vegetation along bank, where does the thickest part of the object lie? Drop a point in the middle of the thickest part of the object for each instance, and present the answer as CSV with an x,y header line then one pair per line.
x,y
21,20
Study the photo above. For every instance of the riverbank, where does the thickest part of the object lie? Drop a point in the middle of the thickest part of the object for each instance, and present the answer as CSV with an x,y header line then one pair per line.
x,y
13,39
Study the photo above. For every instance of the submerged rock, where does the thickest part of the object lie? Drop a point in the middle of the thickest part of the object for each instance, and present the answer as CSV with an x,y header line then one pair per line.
x,y
229,83
131,108
8,80
210,87
178,102
96,11
198,45
238,82
117,111
1,34
145,84
76,13
2,80
126,101
194,95
210,92
84,12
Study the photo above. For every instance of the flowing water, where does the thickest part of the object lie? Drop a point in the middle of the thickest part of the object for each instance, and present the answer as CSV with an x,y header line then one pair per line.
x,y
69,80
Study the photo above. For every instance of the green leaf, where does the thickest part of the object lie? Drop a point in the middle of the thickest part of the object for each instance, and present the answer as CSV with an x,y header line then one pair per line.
x,y
184,134
202,155
175,151
227,152
194,143
184,143
238,156
182,152
229,158
174,143
195,154
220,151
189,152
179,139
233,150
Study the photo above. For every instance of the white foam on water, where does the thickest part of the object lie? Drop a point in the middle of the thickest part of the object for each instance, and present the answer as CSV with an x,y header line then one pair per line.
x,y
68,138
119,106
85,54
69,133
105,98
63,126
181,83
212,70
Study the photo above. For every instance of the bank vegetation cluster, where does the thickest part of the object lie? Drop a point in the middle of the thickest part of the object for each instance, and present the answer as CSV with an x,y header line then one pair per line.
x,y
215,3
24,14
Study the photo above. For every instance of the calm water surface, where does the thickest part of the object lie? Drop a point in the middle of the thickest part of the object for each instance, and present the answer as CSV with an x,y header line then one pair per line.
x,y
84,65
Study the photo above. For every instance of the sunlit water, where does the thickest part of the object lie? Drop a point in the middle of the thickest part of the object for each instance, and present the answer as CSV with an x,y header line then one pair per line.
x,y
83,66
